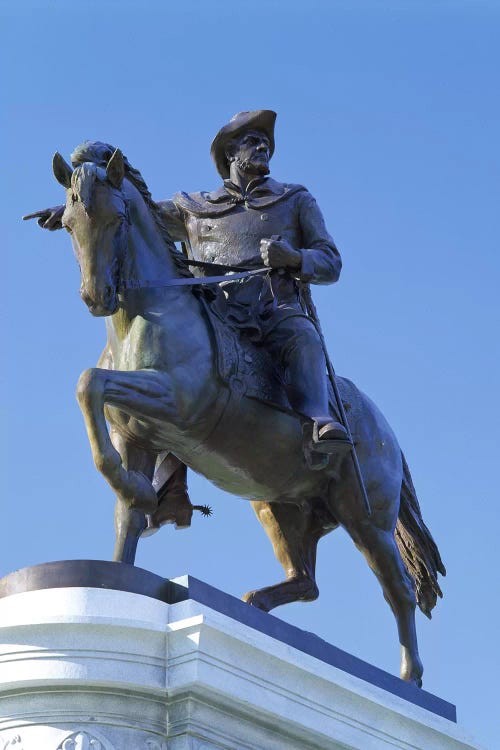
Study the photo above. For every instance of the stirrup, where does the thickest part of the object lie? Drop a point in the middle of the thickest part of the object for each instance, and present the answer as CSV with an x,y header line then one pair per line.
x,y
331,445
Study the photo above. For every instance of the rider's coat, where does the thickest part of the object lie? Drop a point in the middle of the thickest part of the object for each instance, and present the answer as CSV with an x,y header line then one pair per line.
x,y
226,226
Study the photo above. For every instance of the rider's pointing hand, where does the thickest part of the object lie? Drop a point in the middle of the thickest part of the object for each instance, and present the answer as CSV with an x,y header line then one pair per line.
x,y
48,218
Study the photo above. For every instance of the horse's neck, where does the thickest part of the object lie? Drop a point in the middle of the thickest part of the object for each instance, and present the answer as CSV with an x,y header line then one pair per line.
x,y
149,264
148,257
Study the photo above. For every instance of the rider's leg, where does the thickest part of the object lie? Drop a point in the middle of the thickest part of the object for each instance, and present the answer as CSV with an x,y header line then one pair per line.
x,y
174,505
297,348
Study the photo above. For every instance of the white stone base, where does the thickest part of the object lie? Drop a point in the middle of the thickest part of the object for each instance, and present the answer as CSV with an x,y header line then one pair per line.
x,y
93,669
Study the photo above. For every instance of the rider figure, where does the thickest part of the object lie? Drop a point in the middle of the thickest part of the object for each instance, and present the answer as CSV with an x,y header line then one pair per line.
x,y
250,220
253,220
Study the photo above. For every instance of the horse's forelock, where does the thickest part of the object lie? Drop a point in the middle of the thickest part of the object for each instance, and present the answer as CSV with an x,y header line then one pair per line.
x,y
93,151
83,180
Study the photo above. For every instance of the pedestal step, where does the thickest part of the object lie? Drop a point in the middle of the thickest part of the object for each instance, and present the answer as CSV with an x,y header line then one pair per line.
x,y
93,664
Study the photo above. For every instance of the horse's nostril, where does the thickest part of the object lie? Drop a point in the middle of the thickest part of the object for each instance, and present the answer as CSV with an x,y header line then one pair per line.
x,y
85,297
108,292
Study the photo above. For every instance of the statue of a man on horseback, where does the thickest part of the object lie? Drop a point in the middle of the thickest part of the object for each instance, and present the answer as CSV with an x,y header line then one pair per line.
x,y
252,219
165,393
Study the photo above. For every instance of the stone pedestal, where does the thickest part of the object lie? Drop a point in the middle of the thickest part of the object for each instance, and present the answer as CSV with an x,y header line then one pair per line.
x,y
104,656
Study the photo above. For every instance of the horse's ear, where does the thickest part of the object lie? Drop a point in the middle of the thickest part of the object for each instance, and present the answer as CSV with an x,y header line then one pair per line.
x,y
62,170
115,169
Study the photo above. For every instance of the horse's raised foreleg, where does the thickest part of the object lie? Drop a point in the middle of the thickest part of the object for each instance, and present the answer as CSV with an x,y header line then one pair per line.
x,y
140,393
129,522
294,533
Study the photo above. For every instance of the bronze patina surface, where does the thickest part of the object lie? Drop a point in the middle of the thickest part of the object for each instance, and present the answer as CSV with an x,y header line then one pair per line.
x,y
231,379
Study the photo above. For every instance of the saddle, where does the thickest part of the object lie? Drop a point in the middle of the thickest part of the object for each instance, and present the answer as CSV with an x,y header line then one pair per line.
x,y
248,370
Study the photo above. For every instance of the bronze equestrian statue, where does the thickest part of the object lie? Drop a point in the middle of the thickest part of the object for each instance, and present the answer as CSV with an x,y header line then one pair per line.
x,y
230,378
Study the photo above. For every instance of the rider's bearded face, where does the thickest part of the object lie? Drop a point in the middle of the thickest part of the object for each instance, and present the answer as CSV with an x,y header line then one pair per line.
x,y
250,153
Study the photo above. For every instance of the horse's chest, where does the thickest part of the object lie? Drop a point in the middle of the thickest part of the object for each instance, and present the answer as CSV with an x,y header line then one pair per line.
x,y
142,347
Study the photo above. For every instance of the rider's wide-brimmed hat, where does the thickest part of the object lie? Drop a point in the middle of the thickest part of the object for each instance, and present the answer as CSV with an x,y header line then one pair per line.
x,y
259,119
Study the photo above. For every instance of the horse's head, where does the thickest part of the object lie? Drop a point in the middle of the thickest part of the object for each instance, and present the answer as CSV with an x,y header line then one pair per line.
x,y
96,217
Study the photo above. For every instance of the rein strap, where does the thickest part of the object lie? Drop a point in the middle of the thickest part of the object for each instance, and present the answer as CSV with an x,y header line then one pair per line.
x,y
154,283
213,266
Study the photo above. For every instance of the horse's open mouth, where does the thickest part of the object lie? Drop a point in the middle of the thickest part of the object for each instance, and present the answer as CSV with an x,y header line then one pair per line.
x,y
100,303
101,311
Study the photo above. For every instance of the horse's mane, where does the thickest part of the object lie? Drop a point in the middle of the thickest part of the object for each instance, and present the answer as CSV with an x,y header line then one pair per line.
x,y
100,153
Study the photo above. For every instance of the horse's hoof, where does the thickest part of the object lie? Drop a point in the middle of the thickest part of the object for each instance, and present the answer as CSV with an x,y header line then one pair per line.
x,y
310,594
412,668
254,598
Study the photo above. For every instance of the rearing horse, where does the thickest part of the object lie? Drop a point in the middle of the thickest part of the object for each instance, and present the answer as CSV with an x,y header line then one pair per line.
x,y
158,387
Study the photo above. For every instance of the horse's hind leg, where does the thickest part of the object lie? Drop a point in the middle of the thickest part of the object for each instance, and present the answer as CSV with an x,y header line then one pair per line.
x,y
129,522
294,533
374,537
382,555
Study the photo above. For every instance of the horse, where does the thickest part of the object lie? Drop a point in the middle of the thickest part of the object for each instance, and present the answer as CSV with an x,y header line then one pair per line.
x,y
157,387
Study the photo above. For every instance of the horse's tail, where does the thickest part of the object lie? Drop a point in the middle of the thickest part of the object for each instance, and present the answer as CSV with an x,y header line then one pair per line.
x,y
417,547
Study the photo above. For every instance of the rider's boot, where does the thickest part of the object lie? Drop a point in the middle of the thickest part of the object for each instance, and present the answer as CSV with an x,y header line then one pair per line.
x,y
174,505
308,391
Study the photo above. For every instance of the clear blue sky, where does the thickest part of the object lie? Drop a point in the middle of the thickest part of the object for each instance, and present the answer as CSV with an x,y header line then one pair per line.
x,y
388,111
